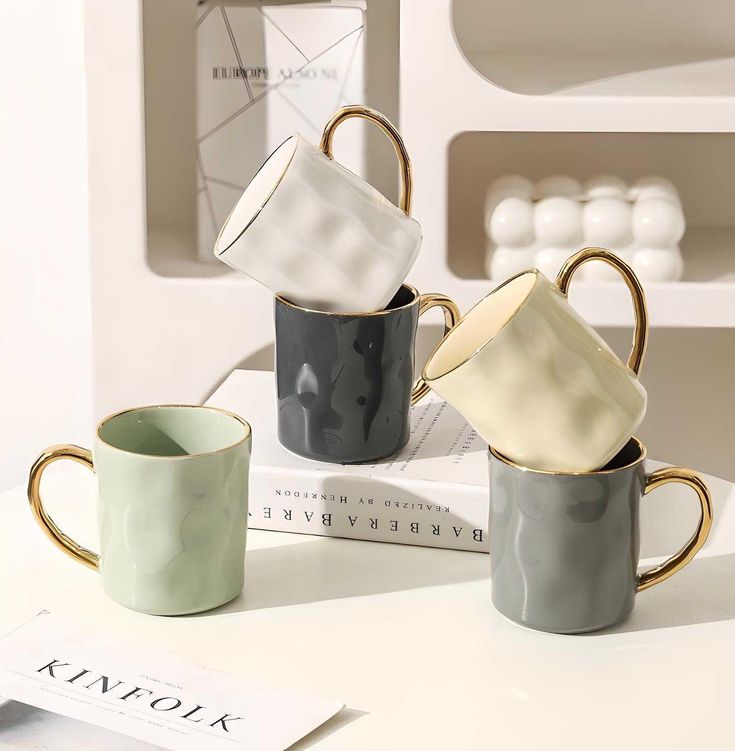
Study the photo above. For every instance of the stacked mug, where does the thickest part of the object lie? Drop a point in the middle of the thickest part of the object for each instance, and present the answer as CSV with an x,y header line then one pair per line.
x,y
335,253
559,411
173,479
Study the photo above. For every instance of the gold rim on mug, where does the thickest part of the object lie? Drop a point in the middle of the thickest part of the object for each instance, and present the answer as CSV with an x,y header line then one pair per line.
x,y
342,114
562,282
642,452
265,201
385,311
153,407
84,456
466,316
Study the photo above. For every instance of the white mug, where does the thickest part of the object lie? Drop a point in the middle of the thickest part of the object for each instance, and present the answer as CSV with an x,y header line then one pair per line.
x,y
318,235
535,380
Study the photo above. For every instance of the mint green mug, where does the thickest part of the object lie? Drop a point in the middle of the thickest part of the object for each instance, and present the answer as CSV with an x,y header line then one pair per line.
x,y
173,506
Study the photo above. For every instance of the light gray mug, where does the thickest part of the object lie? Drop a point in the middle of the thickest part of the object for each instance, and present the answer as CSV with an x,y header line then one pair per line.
x,y
173,506
564,546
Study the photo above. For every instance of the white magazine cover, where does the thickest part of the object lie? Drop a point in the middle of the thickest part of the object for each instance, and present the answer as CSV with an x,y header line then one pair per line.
x,y
56,665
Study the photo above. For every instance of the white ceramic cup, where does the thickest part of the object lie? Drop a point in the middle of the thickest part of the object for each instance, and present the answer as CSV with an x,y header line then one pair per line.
x,y
317,234
535,380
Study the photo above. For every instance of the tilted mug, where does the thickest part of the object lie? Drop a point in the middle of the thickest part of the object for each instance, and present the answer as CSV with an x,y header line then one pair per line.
x,y
317,234
172,510
345,381
564,546
535,380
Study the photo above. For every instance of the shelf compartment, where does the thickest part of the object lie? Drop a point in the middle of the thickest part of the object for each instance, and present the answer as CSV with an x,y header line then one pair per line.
x,y
701,165
626,48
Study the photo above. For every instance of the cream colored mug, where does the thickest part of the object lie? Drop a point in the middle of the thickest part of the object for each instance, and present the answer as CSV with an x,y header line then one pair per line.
x,y
535,380
317,234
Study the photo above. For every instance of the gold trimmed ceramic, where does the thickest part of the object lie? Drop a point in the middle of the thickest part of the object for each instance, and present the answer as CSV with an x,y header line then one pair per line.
x,y
152,407
641,457
535,380
366,113
354,314
669,567
219,252
324,238
172,533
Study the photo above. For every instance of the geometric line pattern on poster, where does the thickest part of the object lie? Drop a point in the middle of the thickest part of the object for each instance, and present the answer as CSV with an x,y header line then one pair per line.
x,y
260,96
283,33
298,111
210,205
225,183
237,54
348,71
205,12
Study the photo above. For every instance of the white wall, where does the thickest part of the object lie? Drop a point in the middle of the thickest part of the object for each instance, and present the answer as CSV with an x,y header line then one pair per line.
x,y
45,338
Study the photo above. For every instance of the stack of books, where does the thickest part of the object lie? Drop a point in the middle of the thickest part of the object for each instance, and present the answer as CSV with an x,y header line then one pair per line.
x,y
434,492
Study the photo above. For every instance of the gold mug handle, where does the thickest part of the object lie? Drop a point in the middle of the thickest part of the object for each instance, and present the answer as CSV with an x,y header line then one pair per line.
x,y
59,538
677,562
451,319
365,113
640,336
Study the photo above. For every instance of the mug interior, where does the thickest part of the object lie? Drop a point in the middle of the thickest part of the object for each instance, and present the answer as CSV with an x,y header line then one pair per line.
x,y
403,297
256,194
481,324
174,430
630,454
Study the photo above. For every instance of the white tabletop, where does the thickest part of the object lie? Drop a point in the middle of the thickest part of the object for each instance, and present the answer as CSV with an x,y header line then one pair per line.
x,y
408,638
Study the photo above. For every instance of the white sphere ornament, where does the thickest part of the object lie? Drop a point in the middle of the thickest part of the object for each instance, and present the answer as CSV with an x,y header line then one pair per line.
x,y
515,185
558,223
654,186
511,223
503,263
512,236
508,186
605,186
658,223
550,260
558,227
658,226
658,265
608,223
558,185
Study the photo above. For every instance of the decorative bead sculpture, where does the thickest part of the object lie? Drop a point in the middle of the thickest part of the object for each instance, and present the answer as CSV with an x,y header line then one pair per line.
x,y
541,225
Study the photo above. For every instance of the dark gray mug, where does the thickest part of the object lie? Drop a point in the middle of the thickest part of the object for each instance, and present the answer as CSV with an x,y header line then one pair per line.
x,y
345,381
564,547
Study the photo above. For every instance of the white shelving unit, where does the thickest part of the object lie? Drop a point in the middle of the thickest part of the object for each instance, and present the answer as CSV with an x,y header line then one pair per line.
x,y
491,88
168,326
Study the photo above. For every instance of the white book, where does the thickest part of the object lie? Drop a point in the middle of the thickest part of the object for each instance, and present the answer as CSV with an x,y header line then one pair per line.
x,y
434,492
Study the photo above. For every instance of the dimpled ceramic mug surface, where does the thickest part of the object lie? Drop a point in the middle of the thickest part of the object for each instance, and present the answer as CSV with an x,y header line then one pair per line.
x,y
564,547
345,381
173,504
317,234
535,380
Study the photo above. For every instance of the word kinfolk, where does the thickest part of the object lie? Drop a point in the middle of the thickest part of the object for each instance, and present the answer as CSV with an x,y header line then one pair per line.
x,y
127,692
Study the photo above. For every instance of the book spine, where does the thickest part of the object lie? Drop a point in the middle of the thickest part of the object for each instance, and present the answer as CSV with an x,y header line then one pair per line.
x,y
433,514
